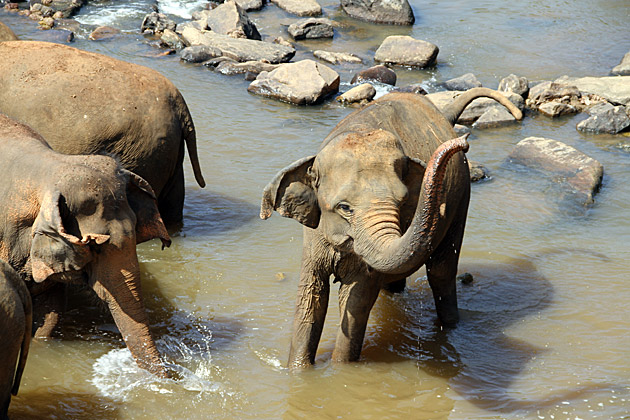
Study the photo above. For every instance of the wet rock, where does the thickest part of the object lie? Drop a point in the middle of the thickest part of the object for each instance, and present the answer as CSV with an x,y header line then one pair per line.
x,y
231,68
465,278
337,57
6,34
378,73
172,39
580,172
13,7
494,117
249,5
281,41
555,109
47,23
478,172
394,12
104,32
406,51
623,69
413,88
239,49
197,25
230,19
216,62
156,23
300,7
57,8
363,93
303,83
311,28
615,89
465,82
61,36
199,53
606,118
516,84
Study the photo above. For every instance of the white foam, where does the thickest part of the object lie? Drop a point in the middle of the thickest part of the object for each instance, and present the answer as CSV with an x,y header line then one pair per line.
x,y
111,14
181,8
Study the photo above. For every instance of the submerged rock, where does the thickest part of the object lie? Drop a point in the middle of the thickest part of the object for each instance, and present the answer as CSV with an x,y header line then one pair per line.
x,y
303,83
337,57
230,19
363,93
623,69
378,73
300,7
465,82
394,12
606,118
580,172
406,51
312,28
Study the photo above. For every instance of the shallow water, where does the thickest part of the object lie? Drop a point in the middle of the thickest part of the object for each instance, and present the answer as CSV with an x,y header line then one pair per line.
x,y
544,327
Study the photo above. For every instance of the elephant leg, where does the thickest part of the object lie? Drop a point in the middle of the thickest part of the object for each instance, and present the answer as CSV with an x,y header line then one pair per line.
x,y
356,298
396,286
47,308
171,199
442,273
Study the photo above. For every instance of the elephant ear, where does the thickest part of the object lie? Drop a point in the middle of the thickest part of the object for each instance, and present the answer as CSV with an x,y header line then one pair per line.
x,y
143,202
291,194
53,250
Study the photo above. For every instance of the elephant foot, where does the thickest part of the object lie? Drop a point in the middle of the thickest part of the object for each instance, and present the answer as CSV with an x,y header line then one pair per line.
x,y
446,308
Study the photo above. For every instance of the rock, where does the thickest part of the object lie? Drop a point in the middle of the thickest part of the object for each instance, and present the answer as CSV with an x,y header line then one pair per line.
x,y
555,109
406,51
623,69
513,83
337,57
249,5
156,23
199,53
365,92
193,24
303,83
477,171
312,28
230,19
239,49
394,12
581,173
172,39
300,7
615,89
605,118
46,23
231,68
494,117
61,36
104,32
465,82
216,62
281,41
414,88
378,73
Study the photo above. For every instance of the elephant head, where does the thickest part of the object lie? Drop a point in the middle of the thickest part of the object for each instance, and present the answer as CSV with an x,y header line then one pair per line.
x,y
361,191
86,230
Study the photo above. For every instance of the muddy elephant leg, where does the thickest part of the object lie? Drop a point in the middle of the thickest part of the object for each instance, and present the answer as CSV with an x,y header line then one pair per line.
x,y
356,298
47,309
396,286
171,199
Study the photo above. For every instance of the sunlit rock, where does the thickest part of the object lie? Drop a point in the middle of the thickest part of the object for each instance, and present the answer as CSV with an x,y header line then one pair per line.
x,y
623,69
495,116
606,118
337,57
393,12
464,82
378,73
300,7
311,28
514,83
363,93
406,51
230,19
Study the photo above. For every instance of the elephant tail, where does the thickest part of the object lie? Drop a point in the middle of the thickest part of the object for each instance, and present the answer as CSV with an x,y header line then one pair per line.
x,y
455,109
190,136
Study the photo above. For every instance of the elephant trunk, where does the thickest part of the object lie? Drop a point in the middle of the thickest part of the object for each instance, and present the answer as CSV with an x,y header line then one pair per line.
x,y
460,103
118,285
383,247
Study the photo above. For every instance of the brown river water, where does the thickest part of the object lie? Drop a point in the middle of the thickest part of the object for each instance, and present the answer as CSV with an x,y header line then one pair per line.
x,y
544,330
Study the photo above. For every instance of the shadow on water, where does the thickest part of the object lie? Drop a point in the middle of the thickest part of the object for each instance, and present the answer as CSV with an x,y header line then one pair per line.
x,y
51,404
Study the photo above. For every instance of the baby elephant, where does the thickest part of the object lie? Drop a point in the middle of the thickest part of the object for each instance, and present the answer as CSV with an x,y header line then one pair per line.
x,y
15,333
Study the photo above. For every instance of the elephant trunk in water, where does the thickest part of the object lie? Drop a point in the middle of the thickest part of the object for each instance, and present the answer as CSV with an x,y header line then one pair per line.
x,y
116,280
381,244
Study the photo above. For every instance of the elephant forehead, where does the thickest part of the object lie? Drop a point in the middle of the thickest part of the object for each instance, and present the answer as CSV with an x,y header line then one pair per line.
x,y
364,142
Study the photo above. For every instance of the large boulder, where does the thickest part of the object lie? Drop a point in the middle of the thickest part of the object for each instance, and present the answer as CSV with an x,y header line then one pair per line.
x,y
230,19
6,34
237,48
615,89
337,57
378,73
300,7
303,83
311,28
393,12
580,172
559,98
605,118
406,51
464,82
623,69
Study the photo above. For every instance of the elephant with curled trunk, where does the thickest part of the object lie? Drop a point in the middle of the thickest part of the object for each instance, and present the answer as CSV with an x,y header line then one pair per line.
x,y
86,103
77,219
387,192
15,333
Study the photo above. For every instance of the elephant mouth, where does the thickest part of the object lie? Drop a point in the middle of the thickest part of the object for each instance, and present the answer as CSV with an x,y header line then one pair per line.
x,y
347,245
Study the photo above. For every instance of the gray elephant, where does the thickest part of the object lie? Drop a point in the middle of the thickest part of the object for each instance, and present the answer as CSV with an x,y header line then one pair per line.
x,y
15,333
76,220
6,34
86,103
387,192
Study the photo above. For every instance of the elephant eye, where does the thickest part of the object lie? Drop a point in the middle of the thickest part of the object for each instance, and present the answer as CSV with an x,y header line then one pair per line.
x,y
344,209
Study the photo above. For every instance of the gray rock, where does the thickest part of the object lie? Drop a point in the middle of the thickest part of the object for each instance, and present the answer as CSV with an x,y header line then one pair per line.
x,y
605,118
193,24
281,41
461,130
156,23
562,91
239,49
303,83
311,28
249,5
104,32
580,172
623,69
413,88
465,82
365,92
216,62
555,109
477,171
230,68
378,73
300,7
230,19
615,89
172,39
494,117
406,51
513,83
199,53
465,278
337,57
394,12
62,36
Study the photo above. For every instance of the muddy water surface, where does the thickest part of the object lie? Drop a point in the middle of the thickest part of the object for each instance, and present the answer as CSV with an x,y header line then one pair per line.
x,y
544,327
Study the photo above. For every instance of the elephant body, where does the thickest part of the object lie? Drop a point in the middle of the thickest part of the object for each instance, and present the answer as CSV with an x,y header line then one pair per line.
x,y
387,193
15,333
77,219
86,103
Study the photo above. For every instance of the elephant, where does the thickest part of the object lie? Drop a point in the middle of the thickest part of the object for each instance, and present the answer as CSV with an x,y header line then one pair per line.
x,y
76,219
85,103
386,193
16,320
6,34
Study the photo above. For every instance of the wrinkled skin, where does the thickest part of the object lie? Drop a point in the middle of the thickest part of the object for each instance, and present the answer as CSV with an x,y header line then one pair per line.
x,y
86,103
6,34
77,219
387,192
15,333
